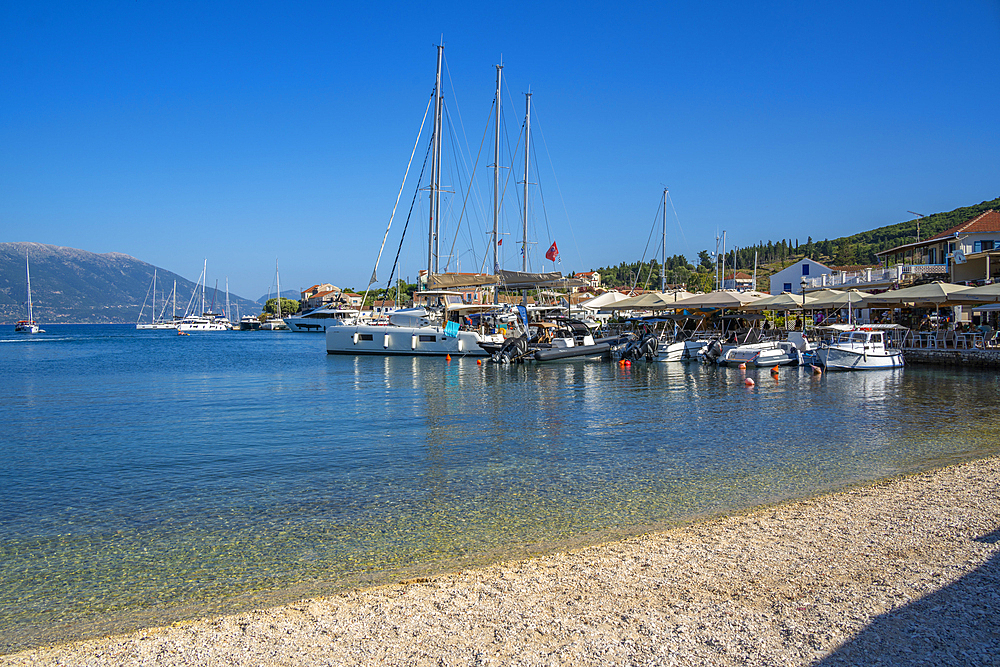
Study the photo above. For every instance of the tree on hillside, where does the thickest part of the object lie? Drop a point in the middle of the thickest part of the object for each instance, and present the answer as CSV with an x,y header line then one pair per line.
x,y
288,306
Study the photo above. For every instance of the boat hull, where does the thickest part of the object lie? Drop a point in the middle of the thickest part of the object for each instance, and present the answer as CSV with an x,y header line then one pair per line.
x,y
305,325
762,354
836,358
404,341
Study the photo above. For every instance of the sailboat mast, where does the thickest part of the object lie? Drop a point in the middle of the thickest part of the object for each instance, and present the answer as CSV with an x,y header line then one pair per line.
x,y
527,146
153,320
277,281
663,251
204,279
496,179
173,316
433,241
227,298
27,271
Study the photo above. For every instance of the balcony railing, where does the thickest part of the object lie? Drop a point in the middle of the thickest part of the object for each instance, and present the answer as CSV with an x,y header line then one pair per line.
x,y
872,277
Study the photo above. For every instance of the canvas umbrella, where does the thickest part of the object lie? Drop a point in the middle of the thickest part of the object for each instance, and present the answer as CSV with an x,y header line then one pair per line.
x,y
647,301
930,295
719,299
785,301
838,299
984,294
935,294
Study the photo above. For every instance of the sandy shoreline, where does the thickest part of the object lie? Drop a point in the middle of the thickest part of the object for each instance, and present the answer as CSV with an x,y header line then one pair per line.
x,y
901,572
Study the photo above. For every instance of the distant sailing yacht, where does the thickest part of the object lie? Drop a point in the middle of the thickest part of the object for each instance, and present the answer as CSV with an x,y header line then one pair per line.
x,y
29,325
158,323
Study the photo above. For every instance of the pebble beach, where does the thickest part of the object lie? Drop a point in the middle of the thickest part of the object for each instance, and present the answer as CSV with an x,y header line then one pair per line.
x,y
904,571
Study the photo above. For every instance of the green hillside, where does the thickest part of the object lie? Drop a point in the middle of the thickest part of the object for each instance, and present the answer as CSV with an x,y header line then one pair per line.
x,y
772,256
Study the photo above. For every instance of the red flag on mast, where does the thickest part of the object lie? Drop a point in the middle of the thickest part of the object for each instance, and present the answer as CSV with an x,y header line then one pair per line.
x,y
552,253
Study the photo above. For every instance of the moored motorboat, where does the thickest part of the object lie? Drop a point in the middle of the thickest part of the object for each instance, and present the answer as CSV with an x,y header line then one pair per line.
x,y
317,320
863,348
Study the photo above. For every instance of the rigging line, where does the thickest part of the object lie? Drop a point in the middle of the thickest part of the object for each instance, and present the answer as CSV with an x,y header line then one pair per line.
x,y
679,228
416,194
398,195
468,192
465,200
510,171
638,272
538,124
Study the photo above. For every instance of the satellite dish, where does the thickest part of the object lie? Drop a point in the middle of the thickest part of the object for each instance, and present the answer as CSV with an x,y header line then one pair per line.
x,y
959,256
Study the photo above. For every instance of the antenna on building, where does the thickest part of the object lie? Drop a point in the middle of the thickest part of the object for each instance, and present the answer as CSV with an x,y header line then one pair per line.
x,y
919,215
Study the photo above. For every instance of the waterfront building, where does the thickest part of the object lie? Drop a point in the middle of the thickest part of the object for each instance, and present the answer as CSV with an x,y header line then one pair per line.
x,y
969,252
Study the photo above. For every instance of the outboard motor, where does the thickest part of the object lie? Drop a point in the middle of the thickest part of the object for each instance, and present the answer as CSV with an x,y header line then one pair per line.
x,y
648,347
513,350
713,351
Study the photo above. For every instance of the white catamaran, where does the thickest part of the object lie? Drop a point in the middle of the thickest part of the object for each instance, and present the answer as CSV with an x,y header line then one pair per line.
x,y
29,325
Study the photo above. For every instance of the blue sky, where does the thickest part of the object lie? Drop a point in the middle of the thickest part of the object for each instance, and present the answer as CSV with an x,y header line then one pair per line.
x,y
244,132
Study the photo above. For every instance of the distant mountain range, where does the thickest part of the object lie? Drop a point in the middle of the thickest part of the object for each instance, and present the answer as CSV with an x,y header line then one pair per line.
x,y
70,285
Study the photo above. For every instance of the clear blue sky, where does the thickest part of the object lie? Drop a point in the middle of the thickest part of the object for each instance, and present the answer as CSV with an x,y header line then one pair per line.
x,y
242,132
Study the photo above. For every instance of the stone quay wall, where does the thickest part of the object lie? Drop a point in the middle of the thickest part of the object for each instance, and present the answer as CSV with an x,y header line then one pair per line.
x,y
975,358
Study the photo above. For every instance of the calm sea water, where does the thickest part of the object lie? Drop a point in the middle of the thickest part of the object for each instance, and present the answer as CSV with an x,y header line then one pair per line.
x,y
148,477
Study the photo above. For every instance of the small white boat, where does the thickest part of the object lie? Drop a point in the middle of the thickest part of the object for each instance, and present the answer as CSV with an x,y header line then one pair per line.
x,y
768,353
864,348
274,324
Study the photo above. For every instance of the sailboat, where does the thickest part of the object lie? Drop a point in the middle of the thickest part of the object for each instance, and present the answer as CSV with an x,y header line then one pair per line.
x,y
275,323
437,324
156,322
208,320
29,325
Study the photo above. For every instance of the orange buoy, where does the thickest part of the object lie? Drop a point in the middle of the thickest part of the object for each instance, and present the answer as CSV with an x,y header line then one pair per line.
x,y
479,362
448,358
817,370
774,371
742,367
628,363
749,382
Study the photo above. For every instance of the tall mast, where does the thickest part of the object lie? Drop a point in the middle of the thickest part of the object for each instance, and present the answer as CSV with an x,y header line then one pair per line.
x,y
277,282
496,178
154,295
204,279
527,146
227,299
663,251
173,316
433,234
27,271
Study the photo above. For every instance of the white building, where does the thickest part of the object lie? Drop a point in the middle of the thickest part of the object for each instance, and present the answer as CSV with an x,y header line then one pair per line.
x,y
790,278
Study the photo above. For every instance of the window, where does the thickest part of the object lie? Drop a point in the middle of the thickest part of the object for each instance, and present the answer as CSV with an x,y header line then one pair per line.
x,y
805,269
988,245
427,339
364,337
788,287
977,246
932,256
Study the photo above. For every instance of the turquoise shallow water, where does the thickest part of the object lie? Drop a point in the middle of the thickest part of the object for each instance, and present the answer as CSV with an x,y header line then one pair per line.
x,y
148,477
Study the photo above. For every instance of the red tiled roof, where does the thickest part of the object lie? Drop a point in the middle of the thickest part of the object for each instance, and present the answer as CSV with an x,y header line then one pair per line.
x,y
988,221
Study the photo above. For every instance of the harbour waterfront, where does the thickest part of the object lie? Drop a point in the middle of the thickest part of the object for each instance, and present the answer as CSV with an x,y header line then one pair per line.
x,y
150,477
